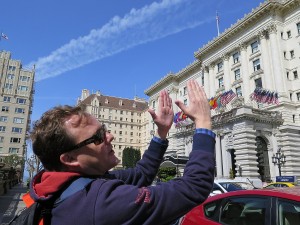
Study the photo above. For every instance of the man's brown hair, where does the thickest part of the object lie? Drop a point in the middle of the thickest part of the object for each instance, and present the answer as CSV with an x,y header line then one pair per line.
x,y
50,138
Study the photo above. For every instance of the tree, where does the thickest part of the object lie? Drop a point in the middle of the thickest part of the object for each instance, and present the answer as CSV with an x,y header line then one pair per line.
x,y
14,161
166,173
130,157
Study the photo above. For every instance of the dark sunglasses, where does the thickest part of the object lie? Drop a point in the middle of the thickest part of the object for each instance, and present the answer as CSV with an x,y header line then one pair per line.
x,y
98,138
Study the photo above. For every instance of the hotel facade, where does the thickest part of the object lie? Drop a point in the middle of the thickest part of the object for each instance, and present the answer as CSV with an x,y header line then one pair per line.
x,y
250,73
16,99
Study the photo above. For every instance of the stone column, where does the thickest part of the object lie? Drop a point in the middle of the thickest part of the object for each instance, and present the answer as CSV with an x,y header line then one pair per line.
x,y
277,70
227,76
245,149
212,79
206,81
245,72
267,78
219,161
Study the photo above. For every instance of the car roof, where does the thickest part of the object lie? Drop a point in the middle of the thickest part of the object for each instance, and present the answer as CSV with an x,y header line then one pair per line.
x,y
292,193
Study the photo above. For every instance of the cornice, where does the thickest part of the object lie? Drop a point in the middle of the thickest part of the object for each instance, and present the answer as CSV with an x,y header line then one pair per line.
x,y
171,77
258,116
274,6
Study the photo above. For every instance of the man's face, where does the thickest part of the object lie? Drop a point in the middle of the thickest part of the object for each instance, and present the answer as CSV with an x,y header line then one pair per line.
x,y
90,159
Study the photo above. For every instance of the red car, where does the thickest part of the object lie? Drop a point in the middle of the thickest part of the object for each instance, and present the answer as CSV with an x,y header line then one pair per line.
x,y
279,206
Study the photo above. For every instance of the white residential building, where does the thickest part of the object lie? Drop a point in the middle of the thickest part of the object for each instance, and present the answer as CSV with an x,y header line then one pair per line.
x,y
16,99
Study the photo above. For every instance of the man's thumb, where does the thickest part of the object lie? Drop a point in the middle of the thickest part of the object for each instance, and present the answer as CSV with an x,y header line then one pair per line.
x,y
152,113
180,105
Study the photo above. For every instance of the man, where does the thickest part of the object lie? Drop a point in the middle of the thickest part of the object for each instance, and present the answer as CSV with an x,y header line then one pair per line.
x,y
71,143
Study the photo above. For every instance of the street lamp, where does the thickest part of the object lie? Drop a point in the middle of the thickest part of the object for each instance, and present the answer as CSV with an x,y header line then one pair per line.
x,y
278,159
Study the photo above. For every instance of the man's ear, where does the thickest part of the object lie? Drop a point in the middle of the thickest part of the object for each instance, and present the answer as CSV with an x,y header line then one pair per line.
x,y
69,160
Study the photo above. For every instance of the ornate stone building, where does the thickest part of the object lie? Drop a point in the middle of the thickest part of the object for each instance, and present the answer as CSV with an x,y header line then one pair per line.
x,y
16,99
258,59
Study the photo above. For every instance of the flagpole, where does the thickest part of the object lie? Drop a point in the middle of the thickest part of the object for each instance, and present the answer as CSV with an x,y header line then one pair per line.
x,y
217,19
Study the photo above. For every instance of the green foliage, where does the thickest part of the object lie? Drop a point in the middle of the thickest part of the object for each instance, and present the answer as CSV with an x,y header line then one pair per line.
x,y
13,161
231,173
130,157
166,173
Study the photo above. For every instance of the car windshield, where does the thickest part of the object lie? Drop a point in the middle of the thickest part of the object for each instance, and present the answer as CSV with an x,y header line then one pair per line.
x,y
230,186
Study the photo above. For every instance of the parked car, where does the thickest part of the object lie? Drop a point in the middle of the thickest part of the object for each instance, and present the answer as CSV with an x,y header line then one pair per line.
x,y
280,206
226,185
279,184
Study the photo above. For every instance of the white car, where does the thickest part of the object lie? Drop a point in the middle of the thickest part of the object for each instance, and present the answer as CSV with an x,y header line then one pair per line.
x,y
227,185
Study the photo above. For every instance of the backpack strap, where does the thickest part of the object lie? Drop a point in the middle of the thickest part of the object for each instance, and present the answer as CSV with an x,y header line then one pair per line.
x,y
75,186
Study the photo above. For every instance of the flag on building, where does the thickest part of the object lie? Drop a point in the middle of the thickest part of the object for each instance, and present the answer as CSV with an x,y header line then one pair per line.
x,y
4,36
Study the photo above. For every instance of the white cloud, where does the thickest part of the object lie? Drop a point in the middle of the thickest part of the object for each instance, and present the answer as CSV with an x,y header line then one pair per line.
x,y
139,26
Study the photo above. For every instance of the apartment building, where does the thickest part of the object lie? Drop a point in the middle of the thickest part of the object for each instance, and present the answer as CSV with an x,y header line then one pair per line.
x,y
16,99
126,119
250,73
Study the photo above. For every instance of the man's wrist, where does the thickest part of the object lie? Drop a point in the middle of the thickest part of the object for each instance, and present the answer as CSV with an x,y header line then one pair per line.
x,y
160,136
205,131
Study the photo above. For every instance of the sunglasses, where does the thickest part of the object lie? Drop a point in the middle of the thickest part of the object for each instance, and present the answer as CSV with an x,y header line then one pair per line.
x,y
98,138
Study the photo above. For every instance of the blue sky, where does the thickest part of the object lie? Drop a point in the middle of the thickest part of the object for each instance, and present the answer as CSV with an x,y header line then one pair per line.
x,y
119,47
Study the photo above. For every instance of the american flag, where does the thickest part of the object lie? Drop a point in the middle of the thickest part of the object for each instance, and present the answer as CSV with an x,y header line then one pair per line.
x,y
4,36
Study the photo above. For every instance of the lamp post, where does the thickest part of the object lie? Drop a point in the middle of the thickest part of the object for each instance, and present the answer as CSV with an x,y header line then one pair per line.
x,y
279,159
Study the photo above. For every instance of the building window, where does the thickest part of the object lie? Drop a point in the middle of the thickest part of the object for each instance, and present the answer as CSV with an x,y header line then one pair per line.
x,y
120,132
202,80
22,88
184,91
298,28
289,34
258,83
6,99
2,128
5,109
1,139
8,86
256,65
254,46
236,57
3,119
13,150
12,68
153,104
220,66
238,91
295,74
284,54
237,74
292,54
131,134
15,140
221,82
18,120
24,78
10,76
298,96
19,110
16,130
21,100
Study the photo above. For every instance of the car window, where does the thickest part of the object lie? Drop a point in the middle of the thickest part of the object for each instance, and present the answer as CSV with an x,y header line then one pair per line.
x,y
217,188
211,210
231,186
288,212
245,210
